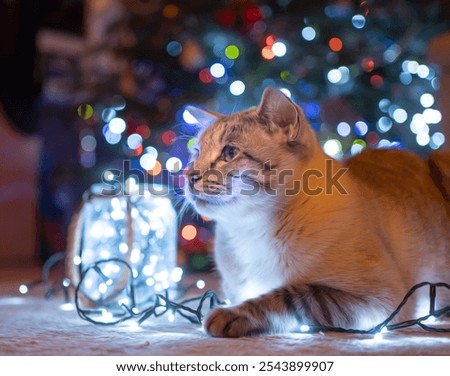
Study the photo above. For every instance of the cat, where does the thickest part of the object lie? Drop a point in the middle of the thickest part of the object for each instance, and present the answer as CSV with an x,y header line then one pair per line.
x,y
302,238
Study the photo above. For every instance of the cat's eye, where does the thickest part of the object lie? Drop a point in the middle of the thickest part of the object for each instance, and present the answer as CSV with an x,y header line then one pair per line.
x,y
229,152
195,152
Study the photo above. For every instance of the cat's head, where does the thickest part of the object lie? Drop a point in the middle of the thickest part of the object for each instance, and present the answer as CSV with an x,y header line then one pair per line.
x,y
238,158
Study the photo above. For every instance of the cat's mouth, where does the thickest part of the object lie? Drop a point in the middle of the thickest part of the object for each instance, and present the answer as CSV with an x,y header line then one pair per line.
x,y
206,200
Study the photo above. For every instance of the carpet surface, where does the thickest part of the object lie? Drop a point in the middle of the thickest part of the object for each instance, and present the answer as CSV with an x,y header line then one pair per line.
x,y
32,325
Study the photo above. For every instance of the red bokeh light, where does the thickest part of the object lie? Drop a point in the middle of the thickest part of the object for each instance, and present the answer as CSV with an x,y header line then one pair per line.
x,y
368,64
205,76
253,14
226,17
372,138
168,137
376,80
143,130
335,44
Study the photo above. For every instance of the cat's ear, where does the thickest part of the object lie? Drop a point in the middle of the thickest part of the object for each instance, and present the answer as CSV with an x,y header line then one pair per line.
x,y
279,110
202,118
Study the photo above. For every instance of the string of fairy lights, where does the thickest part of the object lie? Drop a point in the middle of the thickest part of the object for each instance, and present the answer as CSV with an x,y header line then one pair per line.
x,y
195,308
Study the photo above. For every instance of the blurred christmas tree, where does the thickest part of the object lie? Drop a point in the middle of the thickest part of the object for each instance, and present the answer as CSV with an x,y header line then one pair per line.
x,y
357,68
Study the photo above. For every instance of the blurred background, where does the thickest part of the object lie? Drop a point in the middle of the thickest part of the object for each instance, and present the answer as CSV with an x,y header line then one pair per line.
x,y
92,88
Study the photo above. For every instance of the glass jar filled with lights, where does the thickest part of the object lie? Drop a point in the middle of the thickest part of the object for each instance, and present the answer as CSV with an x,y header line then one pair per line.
x,y
122,249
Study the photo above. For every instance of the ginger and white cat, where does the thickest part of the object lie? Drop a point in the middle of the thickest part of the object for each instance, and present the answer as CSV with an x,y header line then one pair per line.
x,y
305,239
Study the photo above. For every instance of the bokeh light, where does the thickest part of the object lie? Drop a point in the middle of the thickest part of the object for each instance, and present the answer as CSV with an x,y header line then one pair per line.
x,y
358,21
432,116
343,129
168,137
286,92
117,125
108,114
170,11
189,232
147,161
134,141
205,76
334,76
237,87
88,143
112,138
335,44
308,33
376,81
384,124
156,170
85,111
438,139
279,49
174,48
217,70
426,100
361,128
333,148
423,139
267,53
400,115
174,164
232,52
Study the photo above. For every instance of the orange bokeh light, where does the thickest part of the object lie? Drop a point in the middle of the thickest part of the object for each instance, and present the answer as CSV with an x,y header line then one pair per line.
x,y
335,44
155,170
189,232
170,11
267,53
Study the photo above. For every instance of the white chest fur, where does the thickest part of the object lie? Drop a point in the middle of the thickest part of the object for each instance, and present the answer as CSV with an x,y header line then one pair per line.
x,y
247,258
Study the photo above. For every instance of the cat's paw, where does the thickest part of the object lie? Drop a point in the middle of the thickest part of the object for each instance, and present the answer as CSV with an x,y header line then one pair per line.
x,y
230,322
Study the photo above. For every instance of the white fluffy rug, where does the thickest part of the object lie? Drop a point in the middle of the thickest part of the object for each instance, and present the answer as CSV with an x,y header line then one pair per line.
x,y
32,325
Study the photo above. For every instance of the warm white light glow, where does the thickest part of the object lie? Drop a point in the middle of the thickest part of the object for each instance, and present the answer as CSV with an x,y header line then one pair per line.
x,y
426,100
286,92
177,274
400,115
332,147
23,289
189,118
174,164
217,70
304,328
147,161
67,307
334,76
279,49
201,284
343,129
423,138
237,87
356,149
117,125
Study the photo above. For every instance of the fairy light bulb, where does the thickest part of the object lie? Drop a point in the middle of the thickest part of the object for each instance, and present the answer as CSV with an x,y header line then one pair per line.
x,y
23,289
200,284
304,328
